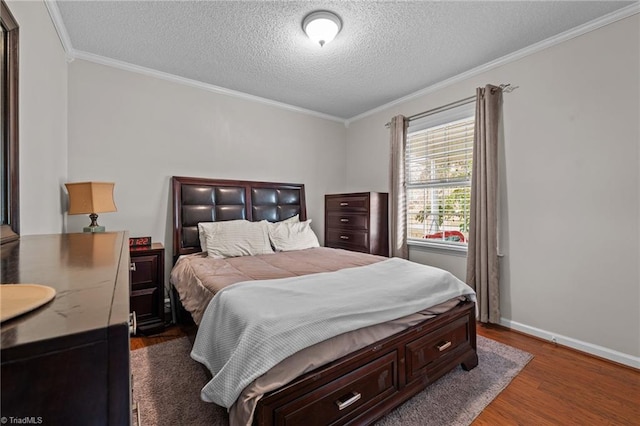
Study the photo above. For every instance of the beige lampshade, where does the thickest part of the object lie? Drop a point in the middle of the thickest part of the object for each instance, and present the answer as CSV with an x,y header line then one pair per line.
x,y
90,197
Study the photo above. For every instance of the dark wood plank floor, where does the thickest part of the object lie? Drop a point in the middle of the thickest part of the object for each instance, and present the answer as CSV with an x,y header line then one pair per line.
x,y
559,386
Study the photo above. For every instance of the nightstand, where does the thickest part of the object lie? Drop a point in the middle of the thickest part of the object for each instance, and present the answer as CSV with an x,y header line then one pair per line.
x,y
147,287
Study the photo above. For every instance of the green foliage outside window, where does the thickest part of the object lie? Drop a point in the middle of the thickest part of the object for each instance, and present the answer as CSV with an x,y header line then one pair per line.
x,y
455,209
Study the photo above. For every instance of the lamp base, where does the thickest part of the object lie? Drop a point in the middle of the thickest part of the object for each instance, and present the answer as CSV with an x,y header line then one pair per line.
x,y
93,228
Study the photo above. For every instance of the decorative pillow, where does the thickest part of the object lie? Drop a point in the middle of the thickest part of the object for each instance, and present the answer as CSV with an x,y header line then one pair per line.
x,y
234,238
286,236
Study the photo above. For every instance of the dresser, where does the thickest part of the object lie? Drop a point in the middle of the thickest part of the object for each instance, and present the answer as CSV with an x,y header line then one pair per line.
x,y
357,221
147,287
67,362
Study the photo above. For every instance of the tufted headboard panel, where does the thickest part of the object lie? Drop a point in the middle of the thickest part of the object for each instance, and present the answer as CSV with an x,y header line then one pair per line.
x,y
210,200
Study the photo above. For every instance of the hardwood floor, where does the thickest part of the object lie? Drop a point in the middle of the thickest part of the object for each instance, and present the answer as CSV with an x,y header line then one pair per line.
x,y
170,333
559,386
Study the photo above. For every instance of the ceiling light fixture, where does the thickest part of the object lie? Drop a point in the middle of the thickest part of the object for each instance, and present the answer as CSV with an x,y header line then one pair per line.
x,y
322,26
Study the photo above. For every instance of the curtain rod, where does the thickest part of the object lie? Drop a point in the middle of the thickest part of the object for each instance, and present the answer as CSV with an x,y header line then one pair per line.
x,y
506,88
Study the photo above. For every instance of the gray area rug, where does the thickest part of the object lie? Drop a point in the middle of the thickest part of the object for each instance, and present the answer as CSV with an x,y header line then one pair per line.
x,y
167,385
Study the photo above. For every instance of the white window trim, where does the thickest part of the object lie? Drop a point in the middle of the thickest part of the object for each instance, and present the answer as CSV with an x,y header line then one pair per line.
x,y
437,119
444,246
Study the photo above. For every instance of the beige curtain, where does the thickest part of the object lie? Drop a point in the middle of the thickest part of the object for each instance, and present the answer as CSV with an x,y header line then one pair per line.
x,y
397,192
482,255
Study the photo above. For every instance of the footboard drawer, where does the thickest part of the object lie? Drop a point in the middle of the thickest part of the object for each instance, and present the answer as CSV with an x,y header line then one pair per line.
x,y
432,352
342,399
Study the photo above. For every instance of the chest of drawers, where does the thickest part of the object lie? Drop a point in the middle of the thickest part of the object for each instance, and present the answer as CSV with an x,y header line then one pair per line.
x,y
358,222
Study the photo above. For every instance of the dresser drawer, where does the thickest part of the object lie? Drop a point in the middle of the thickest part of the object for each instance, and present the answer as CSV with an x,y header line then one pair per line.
x,y
348,203
427,352
348,239
347,396
348,221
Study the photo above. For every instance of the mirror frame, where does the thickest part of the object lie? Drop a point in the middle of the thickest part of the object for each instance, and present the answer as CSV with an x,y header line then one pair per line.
x,y
10,226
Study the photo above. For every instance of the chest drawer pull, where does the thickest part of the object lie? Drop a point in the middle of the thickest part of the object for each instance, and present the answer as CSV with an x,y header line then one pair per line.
x,y
132,267
444,345
344,220
347,400
344,237
344,204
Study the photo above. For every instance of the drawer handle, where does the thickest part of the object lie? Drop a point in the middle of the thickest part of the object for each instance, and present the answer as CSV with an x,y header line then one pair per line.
x,y
343,204
344,237
132,267
347,400
343,220
444,345
133,323
136,409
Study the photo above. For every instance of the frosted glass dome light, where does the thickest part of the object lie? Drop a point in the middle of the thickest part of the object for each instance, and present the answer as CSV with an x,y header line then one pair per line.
x,y
321,26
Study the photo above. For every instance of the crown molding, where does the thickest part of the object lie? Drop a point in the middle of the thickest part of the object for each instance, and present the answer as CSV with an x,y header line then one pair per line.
x,y
63,35
625,12
72,54
102,60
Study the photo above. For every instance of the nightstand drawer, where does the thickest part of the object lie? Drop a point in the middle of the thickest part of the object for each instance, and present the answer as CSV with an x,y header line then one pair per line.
x,y
144,271
348,203
347,221
144,303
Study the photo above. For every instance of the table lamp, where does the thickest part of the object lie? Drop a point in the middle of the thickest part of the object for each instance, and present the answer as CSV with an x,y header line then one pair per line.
x,y
91,198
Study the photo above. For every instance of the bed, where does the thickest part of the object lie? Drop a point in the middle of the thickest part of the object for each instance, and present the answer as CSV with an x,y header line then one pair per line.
x,y
353,378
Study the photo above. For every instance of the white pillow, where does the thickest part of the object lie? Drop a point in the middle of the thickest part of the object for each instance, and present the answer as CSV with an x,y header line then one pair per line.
x,y
202,235
292,219
234,238
286,236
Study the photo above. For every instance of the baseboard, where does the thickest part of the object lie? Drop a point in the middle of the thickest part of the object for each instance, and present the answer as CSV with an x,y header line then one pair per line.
x,y
599,351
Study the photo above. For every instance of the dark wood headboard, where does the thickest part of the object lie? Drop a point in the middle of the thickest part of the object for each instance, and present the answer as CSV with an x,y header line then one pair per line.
x,y
210,200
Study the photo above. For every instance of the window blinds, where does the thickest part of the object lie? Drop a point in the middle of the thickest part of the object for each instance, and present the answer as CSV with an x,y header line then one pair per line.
x,y
441,154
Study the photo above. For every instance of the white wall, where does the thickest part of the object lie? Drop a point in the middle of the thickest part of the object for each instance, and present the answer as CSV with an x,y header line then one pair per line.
x,y
138,131
42,119
570,188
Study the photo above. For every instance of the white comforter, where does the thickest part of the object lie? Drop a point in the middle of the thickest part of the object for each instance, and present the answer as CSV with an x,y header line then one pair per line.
x,y
249,327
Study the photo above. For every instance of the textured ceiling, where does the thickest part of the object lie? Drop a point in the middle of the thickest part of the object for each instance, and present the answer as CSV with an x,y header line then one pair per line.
x,y
386,49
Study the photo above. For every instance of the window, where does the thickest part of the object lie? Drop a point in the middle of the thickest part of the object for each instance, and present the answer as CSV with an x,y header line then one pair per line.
x,y
9,200
439,156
